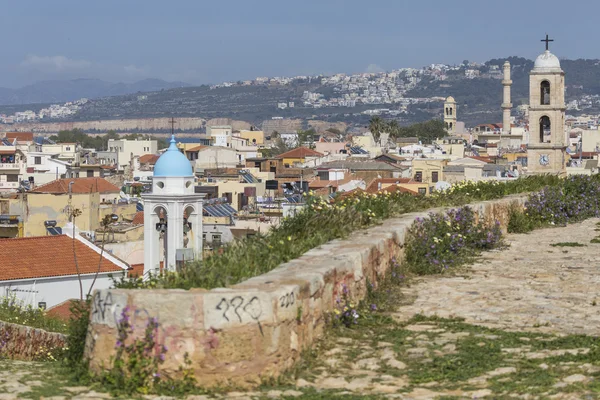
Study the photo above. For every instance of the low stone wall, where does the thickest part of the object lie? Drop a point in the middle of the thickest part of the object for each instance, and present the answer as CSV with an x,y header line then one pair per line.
x,y
257,329
20,342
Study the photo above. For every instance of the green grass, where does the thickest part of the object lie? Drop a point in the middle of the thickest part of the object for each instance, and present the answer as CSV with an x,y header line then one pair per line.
x,y
568,244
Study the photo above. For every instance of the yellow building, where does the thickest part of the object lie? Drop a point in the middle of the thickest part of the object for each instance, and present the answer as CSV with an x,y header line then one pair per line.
x,y
298,155
94,197
254,137
428,170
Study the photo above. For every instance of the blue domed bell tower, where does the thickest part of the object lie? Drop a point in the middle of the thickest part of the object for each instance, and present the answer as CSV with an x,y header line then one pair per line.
x,y
173,213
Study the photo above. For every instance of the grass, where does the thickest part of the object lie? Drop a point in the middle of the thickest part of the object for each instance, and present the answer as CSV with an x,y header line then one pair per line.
x,y
14,311
568,244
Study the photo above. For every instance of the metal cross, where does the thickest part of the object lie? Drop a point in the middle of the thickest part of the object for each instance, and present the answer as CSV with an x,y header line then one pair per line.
x,y
547,41
172,122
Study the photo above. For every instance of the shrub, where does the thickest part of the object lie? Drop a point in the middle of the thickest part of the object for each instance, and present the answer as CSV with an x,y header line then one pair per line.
x,y
16,311
136,364
440,241
77,329
318,223
576,198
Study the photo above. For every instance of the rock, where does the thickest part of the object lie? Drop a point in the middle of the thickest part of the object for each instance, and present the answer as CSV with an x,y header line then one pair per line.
x,y
544,366
292,393
575,378
303,383
502,371
371,364
420,328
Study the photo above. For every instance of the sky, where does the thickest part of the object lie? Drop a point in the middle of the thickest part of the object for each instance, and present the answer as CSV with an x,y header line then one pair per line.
x,y
211,41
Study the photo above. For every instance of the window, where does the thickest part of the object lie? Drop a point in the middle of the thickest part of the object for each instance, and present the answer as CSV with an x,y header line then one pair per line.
x,y
216,240
545,93
90,173
68,148
12,178
450,110
447,111
37,160
419,176
434,176
545,132
422,191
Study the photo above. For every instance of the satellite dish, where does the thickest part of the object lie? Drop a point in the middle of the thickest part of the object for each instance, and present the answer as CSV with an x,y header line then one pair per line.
x,y
442,185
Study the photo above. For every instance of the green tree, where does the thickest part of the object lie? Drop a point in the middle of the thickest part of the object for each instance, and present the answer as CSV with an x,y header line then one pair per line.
x,y
377,126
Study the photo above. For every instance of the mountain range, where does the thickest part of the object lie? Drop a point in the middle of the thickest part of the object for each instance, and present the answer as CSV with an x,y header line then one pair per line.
x,y
57,91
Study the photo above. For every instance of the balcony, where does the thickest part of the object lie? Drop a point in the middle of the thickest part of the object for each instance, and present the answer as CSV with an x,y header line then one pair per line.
x,y
9,185
11,166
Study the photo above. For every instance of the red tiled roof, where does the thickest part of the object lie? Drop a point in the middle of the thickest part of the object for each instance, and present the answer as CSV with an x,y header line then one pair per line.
x,y
8,151
374,185
149,159
300,152
137,270
81,185
46,256
138,218
62,310
20,136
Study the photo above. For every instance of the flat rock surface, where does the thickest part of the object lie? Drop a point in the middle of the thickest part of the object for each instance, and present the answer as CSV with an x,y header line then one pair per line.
x,y
529,286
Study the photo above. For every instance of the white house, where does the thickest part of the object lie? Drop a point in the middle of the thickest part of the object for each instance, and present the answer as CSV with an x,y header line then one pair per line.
x,y
41,270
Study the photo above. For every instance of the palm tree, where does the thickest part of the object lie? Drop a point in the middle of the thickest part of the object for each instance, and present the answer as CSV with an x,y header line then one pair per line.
x,y
376,126
393,128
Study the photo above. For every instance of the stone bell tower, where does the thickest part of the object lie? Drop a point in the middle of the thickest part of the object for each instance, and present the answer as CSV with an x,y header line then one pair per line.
x,y
450,115
548,140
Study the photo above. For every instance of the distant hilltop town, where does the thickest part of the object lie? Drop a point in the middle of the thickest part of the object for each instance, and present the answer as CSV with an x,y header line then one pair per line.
x,y
407,94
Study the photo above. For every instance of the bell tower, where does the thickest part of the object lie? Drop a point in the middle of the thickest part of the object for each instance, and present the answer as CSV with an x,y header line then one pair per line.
x,y
547,139
450,115
172,214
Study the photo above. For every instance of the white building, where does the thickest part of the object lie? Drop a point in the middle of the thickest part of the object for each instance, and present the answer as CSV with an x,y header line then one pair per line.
x,y
221,134
127,149
41,272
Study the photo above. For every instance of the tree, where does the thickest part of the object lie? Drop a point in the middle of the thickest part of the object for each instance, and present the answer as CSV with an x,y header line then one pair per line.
x,y
376,126
306,137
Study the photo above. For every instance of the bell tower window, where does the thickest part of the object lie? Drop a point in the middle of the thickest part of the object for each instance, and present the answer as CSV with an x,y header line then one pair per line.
x,y
545,93
545,132
450,110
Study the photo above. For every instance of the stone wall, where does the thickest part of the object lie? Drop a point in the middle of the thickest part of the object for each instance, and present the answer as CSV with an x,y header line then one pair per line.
x,y
257,329
19,342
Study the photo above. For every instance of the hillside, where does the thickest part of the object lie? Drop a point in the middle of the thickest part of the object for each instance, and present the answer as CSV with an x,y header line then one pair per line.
x,y
478,98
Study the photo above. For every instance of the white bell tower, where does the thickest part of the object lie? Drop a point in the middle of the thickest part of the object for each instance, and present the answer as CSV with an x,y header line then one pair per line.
x,y
172,211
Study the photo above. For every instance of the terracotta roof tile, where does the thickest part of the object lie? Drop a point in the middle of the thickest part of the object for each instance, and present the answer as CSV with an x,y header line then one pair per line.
x,y
374,185
20,136
46,256
62,310
138,218
81,185
300,152
149,158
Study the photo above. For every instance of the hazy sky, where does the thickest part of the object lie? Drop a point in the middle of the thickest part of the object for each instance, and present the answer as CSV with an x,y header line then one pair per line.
x,y
208,41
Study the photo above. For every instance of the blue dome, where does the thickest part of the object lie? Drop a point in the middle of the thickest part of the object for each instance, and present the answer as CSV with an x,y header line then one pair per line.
x,y
173,163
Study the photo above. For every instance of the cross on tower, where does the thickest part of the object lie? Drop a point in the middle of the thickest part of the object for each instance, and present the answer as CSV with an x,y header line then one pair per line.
x,y
172,122
547,41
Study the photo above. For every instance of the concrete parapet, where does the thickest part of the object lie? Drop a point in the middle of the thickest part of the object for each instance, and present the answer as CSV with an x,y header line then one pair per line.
x,y
257,328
